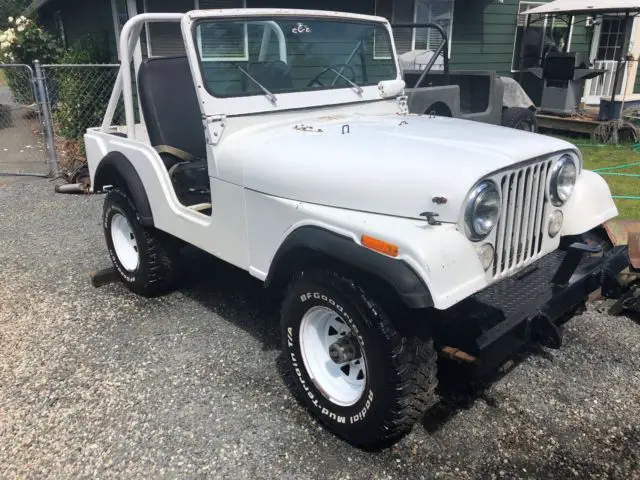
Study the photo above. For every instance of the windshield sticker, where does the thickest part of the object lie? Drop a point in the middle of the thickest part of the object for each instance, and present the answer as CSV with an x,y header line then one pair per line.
x,y
301,28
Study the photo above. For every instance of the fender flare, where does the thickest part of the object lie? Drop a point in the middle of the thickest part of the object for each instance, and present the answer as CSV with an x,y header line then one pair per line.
x,y
117,170
397,274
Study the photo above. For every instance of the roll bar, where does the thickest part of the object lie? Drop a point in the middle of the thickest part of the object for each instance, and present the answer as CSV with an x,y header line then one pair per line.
x,y
442,48
129,39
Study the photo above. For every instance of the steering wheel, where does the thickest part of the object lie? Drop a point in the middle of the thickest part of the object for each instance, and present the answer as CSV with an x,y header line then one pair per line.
x,y
336,66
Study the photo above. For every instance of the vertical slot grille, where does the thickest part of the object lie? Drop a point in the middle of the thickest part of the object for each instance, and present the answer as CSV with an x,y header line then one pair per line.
x,y
521,226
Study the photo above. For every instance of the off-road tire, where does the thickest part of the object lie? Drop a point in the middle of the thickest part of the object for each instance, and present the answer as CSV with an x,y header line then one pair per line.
x,y
158,252
401,371
520,119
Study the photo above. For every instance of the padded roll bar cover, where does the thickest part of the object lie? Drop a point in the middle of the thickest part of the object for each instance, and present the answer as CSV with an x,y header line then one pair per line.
x,y
396,273
116,169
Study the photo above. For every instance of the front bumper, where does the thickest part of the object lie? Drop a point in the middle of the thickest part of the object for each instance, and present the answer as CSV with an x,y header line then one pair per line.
x,y
496,322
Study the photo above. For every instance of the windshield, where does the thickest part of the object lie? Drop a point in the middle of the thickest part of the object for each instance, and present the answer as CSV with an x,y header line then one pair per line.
x,y
268,56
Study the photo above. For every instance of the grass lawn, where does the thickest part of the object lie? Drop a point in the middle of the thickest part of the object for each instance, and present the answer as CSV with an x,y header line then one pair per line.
x,y
3,82
596,157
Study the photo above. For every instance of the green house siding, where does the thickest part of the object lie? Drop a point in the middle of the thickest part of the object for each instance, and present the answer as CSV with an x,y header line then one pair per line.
x,y
581,37
482,38
636,85
80,19
484,33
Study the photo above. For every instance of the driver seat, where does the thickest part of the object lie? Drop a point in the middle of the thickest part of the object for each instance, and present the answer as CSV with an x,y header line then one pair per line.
x,y
174,125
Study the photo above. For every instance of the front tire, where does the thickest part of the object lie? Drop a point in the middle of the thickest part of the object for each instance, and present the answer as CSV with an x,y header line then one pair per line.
x,y
345,361
145,258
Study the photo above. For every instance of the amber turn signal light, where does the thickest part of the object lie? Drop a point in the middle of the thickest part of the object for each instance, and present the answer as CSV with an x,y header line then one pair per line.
x,y
379,246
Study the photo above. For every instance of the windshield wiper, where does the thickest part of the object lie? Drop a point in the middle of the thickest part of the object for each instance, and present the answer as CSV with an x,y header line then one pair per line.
x,y
272,98
357,87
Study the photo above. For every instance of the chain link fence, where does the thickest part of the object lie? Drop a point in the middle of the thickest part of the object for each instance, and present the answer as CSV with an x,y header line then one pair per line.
x,y
45,111
78,96
23,146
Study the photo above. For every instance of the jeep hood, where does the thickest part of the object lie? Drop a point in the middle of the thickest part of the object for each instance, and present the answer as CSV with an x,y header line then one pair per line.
x,y
388,164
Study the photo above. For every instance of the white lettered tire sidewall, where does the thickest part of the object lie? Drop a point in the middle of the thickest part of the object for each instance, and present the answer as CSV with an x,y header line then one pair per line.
x,y
158,253
111,209
355,422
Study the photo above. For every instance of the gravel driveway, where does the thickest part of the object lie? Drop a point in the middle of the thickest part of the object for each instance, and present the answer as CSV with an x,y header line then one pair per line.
x,y
100,383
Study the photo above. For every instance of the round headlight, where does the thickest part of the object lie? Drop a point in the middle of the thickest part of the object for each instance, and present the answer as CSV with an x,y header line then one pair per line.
x,y
482,210
563,179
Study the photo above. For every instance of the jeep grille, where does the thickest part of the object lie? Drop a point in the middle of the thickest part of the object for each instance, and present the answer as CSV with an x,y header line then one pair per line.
x,y
522,222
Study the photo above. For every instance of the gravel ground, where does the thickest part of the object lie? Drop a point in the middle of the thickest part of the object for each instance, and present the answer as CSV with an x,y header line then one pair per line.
x,y
100,383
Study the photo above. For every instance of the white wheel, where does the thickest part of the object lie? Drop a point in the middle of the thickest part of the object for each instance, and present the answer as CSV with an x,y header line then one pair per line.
x,y
345,361
124,242
332,356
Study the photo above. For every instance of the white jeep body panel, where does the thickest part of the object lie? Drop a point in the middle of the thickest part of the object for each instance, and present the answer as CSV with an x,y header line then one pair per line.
x,y
382,164
351,164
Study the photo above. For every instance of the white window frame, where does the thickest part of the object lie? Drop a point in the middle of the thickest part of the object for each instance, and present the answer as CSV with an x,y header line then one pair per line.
x,y
381,57
544,28
413,32
449,32
196,6
243,58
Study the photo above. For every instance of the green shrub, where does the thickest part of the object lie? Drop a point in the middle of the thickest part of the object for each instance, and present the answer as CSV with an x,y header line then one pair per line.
x,y
23,43
82,92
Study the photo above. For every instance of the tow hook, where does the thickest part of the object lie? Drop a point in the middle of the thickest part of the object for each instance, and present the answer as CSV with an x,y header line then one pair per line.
x,y
546,332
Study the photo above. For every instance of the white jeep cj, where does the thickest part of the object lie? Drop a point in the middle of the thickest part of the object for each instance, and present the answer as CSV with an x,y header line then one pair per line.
x,y
280,142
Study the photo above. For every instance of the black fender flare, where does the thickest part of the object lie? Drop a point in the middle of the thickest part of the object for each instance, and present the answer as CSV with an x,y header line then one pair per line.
x,y
397,274
117,170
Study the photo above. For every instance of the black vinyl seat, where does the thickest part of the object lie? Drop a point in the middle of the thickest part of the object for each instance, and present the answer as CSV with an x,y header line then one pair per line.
x,y
170,105
174,123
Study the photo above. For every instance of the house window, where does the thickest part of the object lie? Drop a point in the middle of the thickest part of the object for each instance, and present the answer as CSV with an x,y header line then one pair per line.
x,y
417,11
57,18
546,33
165,39
611,38
120,15
222,42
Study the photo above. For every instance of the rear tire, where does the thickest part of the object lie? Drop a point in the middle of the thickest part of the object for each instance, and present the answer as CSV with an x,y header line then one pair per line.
x,y
520,119
145,258
374,399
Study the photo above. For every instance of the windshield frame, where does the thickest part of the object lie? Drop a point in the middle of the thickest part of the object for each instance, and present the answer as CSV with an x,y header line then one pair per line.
x,y
256,102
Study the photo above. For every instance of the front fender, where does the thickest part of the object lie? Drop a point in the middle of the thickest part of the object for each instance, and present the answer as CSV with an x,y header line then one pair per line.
x,y
441,256
590,205
395,273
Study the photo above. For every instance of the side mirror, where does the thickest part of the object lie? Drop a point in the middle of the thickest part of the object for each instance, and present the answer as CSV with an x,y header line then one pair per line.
x,y
391,88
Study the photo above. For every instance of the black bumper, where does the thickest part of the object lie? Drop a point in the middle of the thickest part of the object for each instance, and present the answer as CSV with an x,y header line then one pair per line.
x,y
495,323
